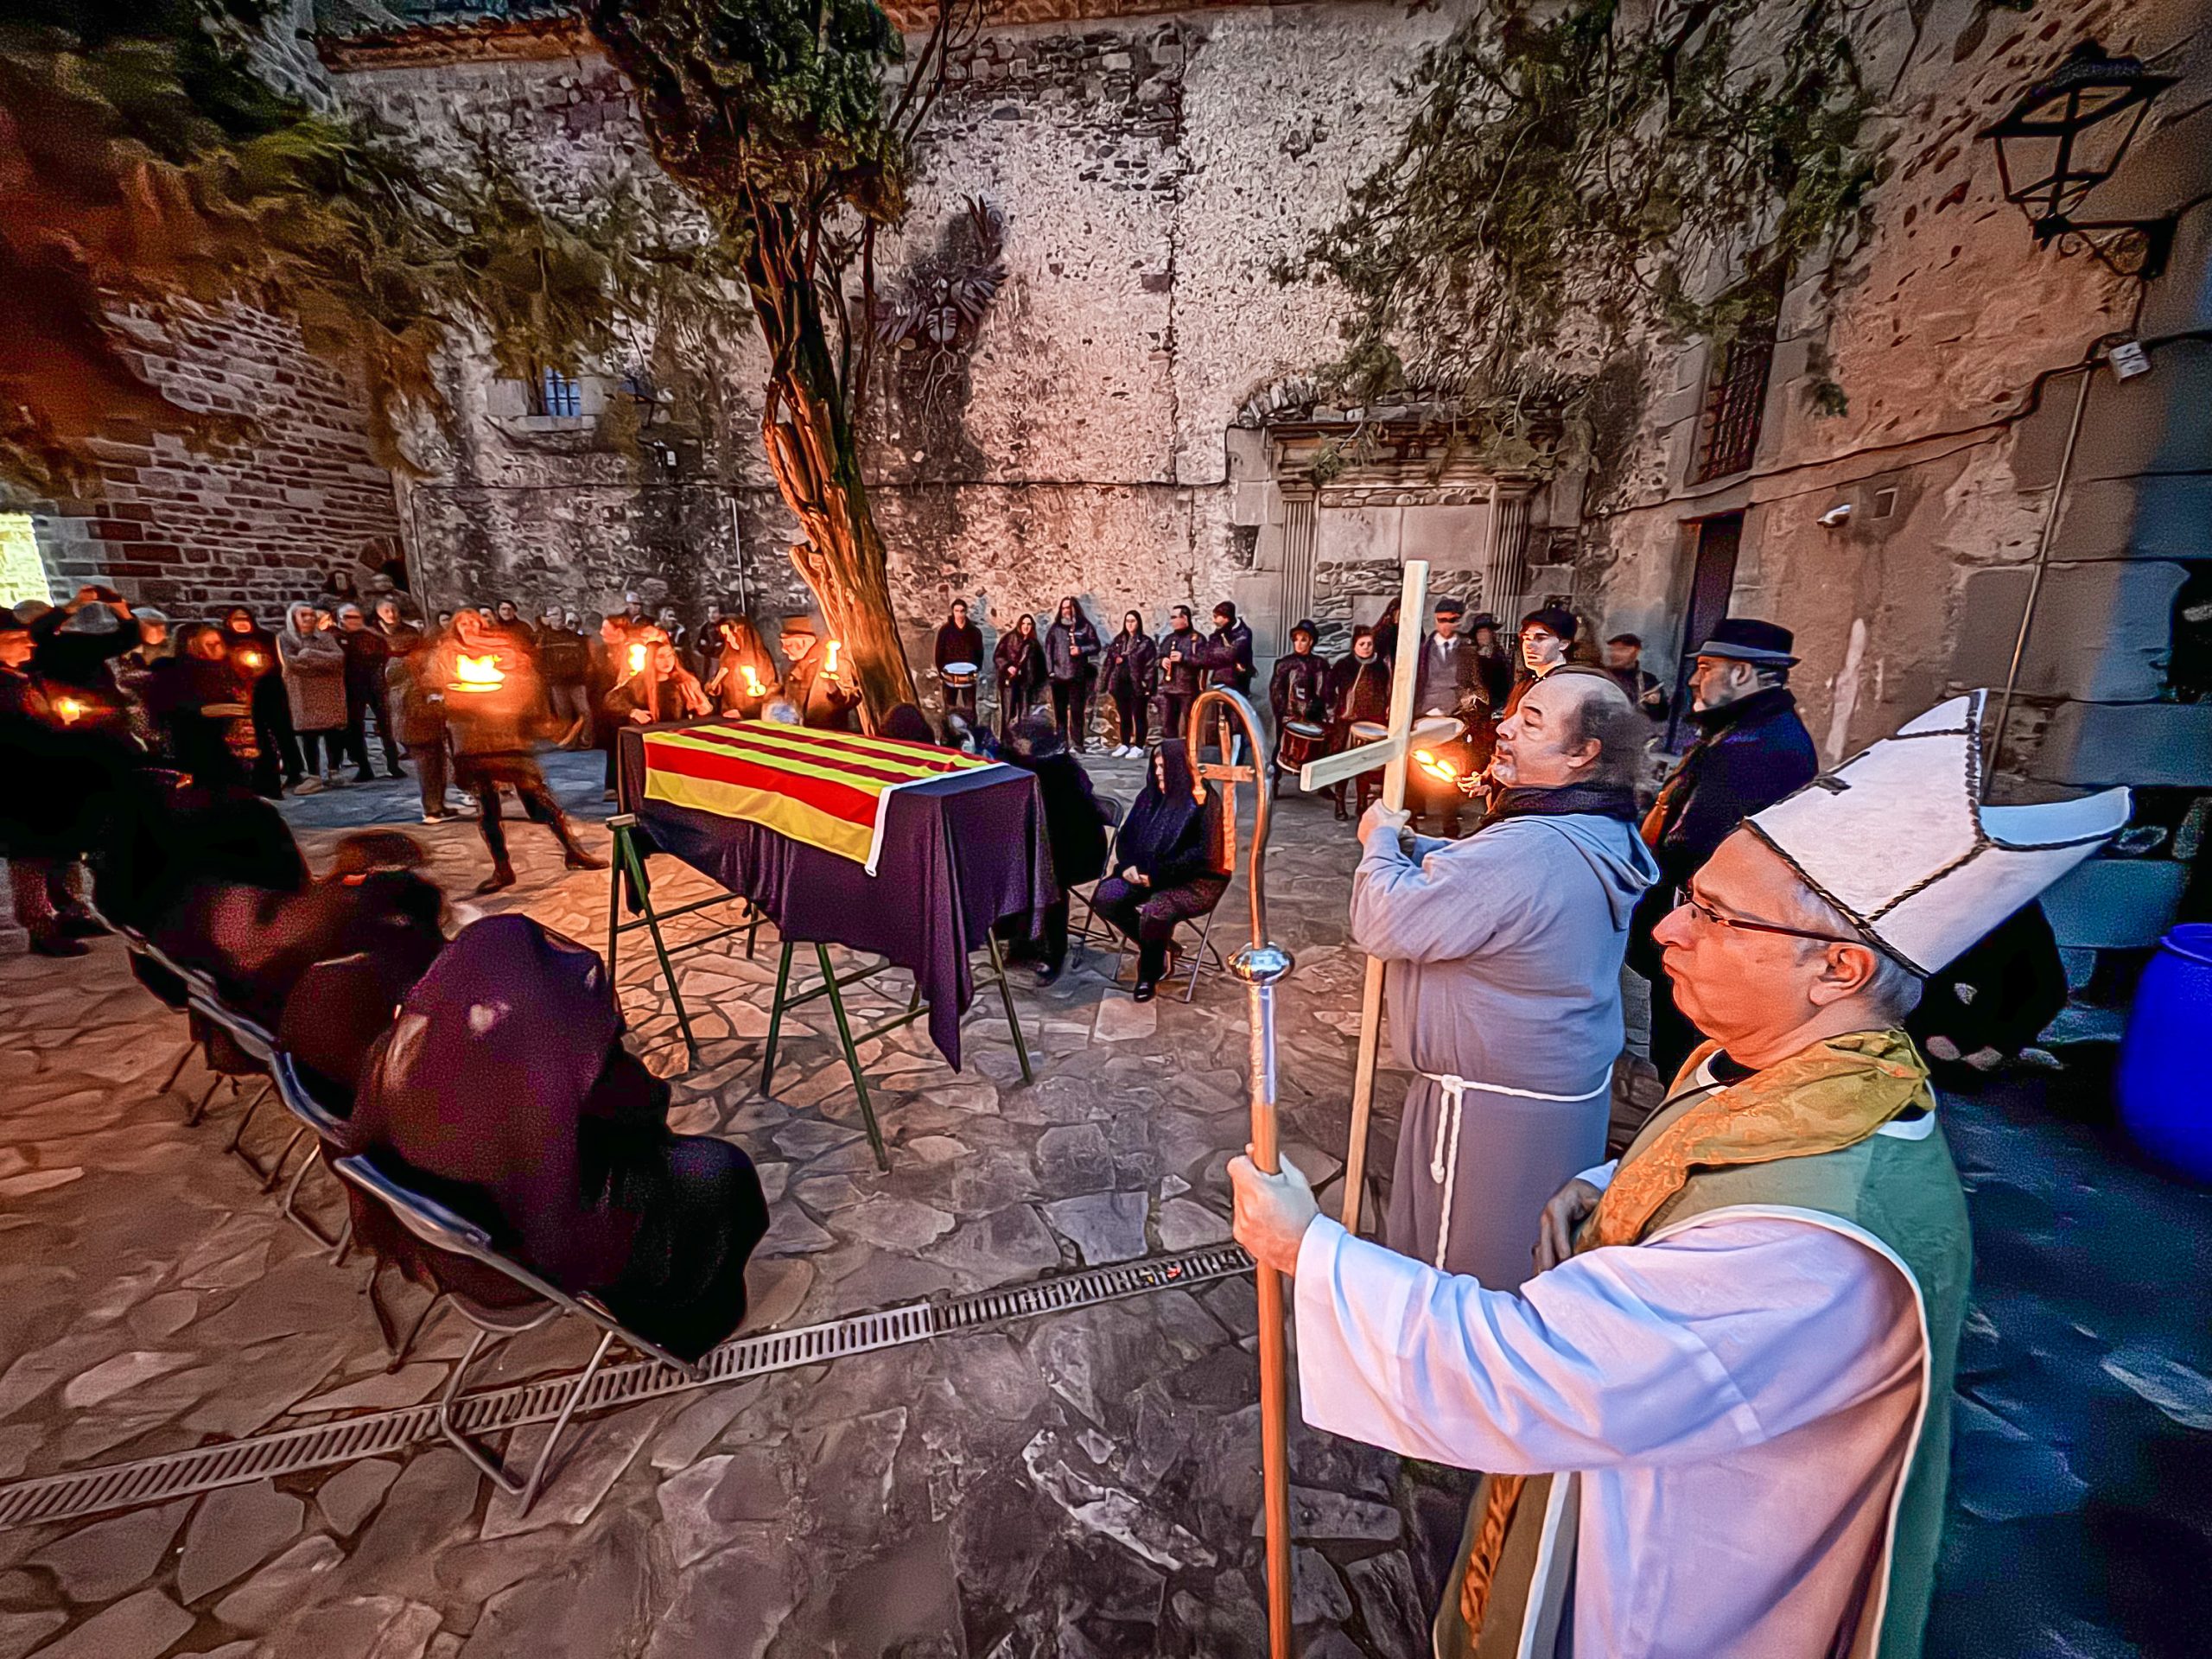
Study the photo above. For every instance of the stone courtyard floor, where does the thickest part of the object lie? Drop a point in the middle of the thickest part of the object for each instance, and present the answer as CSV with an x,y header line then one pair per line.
x,y
1079,1484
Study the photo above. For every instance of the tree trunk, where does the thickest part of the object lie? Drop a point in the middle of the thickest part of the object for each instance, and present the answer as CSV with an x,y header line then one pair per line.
x,y
814,451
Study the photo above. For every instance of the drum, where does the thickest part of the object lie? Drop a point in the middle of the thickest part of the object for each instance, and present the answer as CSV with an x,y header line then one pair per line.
x,y
959,676
1369,731
1301,740
1437,730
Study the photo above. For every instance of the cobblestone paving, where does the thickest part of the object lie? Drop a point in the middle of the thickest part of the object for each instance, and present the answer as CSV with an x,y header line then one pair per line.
x,y
1083,1485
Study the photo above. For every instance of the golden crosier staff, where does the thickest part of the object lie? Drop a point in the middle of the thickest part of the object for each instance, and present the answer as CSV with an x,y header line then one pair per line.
x,y
1258,965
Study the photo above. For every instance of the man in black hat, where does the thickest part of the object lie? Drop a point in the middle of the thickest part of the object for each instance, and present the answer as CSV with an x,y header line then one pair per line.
x,y
1751,750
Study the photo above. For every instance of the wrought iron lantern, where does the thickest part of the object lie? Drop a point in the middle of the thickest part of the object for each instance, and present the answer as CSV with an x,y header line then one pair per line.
x,y
2068,134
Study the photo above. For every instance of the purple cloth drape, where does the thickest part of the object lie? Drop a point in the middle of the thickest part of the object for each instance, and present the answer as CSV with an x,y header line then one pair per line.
x,y
959,852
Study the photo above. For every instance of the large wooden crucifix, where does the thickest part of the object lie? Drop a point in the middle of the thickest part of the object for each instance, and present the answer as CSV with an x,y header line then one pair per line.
x,y
1392,754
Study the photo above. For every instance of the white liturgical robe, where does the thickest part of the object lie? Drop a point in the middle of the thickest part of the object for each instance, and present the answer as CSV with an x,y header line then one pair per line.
x,y
1739,1394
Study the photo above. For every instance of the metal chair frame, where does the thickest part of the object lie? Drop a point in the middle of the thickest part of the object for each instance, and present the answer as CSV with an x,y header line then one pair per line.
x,y
1204,960
440,1229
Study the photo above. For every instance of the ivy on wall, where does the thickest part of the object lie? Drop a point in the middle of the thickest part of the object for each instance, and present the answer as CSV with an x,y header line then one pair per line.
x,y
1569,178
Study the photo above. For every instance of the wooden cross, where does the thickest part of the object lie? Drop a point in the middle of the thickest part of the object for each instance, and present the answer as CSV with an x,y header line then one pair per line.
x,y
1392,754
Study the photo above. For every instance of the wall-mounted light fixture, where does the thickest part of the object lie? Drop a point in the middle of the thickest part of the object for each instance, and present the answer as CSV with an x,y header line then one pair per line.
x,y
2068,134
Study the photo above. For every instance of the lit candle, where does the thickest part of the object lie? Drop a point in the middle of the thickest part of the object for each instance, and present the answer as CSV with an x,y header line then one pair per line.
x,y
1442,771
753,686
830,662
69,708
251,658
477,674
636,659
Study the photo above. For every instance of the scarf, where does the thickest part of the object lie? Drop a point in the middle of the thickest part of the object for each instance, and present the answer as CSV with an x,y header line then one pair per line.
x,y
1823,1098
1597,800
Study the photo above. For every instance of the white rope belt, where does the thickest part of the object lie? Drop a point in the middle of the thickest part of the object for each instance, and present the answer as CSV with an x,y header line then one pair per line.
x,y
1444,1158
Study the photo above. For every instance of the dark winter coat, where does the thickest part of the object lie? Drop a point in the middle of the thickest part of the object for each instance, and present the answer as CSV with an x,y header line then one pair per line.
x,y
1298,687
368,657
563,658
1132,666
961,644
59,774
1075,821
1359,690
1180,679
1167,835
1449,682
1020,665
1227,657
1750,754
1071,650
2001,994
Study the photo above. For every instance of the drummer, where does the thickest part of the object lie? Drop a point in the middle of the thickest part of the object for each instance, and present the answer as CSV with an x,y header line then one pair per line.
x,y
959,649
1448,683
1298,691
1358,697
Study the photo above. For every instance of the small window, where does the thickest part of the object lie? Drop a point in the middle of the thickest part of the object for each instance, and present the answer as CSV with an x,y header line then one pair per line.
x,y
1735,389
552,392
1885,503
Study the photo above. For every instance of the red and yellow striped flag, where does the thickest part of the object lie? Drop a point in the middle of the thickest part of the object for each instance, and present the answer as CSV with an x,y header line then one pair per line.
x,y
830,790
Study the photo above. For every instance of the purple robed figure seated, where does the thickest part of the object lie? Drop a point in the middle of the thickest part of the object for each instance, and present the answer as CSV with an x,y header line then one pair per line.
x,y
1170,863
504,1092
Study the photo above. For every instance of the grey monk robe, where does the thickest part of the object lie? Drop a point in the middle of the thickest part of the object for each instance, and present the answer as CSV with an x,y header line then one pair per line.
x,y
1503,990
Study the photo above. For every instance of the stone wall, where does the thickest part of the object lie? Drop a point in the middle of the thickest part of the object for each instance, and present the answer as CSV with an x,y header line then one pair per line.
x,y
258,519
254,522
1147,170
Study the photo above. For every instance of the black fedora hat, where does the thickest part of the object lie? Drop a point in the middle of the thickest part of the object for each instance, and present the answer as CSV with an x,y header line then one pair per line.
x,y
1746,639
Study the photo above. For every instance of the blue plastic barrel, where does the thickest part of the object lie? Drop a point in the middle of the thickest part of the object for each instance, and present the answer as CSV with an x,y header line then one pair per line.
x,y
2165,1081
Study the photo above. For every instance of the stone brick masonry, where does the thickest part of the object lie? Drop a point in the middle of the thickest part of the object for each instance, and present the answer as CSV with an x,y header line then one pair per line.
x,y
256,520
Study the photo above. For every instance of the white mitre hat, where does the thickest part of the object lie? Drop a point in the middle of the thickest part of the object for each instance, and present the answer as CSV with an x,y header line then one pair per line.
x,y
1897,839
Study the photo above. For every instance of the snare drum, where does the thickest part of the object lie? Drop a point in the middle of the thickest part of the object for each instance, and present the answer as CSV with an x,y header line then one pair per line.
x,y
1301,741
1368,731
1437,730
959,677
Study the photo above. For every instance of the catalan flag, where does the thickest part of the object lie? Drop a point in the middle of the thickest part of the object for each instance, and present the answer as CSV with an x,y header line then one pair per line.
x,y
830,790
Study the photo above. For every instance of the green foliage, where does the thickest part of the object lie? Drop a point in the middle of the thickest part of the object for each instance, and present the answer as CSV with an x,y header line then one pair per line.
x,y
1571,176
144,165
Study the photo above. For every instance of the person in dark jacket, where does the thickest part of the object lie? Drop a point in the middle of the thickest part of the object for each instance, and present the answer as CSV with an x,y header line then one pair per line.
x,y
1358,693
564,668
1751,750
1546,636
253,653
1493,662
907,724
60,774
1071,664
739,648
368,664
1449,682
198,700
1018,663
959,640
1131,671
75,645
1994,1001
1170,863
664,689
1226,654
504,1090
1298,687
820,685
1075,824
491,702
1179,671
1624,662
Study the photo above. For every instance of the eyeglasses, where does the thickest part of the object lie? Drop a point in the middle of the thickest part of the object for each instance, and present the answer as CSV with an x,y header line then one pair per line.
x,y
1706,912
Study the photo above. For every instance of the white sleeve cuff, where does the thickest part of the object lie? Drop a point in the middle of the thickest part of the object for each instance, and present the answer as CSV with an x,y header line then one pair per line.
x,y
1317,1251
1600,1175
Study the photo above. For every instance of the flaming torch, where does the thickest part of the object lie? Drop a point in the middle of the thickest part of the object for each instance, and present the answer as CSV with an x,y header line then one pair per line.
x,y
477,674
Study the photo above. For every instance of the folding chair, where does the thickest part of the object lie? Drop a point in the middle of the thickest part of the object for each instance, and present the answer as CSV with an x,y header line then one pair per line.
x,y
329,1130
259,1050
1204,959
173,985
445,1233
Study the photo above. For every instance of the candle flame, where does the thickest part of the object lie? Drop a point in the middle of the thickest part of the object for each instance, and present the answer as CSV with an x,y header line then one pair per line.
x,y
753,686
1442,771
636,659
830,662
477,674
69,708
251,658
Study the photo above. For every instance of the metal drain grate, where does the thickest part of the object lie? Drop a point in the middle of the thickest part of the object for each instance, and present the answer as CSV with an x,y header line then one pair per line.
x,y
233,1463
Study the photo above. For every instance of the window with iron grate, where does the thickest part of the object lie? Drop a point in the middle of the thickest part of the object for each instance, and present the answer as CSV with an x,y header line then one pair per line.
x,y
553,392
1735,390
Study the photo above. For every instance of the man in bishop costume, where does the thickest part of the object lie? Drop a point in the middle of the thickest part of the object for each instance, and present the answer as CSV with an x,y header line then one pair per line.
x,y
1716,1424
